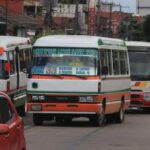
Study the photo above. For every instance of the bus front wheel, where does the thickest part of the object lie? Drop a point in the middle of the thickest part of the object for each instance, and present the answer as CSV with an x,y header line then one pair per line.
x,y
99,119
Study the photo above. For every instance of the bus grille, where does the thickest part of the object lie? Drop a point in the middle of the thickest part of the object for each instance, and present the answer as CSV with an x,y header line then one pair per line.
x,y
62,99
135,96
135,103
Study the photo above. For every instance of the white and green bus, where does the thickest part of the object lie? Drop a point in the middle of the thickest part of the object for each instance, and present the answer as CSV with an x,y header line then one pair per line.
x,y
73,76
15,56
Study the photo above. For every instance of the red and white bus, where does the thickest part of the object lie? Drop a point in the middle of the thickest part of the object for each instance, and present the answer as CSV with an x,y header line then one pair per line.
x,y
15,56
139,55
75,76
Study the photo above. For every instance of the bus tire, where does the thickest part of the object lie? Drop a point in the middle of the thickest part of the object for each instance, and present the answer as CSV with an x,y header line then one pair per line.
x,y
120,116
99,119
37,119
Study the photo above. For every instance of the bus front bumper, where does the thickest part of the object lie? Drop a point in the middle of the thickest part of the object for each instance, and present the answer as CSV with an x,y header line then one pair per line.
x,y
60,108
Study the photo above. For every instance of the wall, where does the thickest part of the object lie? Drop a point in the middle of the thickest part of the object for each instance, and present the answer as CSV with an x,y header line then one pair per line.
x,y
13,5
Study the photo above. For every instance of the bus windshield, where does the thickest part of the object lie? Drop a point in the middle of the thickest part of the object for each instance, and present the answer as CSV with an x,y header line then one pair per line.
x,y
64,61
139,65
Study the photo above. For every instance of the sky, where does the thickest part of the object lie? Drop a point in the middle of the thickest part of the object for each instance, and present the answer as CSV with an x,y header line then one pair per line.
x,y
127,5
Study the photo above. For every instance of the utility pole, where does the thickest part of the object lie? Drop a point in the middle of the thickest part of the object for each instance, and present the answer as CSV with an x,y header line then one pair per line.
x,y
110,19
50,15
138,7
6,15
76,25
98,17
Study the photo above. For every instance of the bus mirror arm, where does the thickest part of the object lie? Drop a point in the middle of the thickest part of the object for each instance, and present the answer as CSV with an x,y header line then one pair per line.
x,y
105,70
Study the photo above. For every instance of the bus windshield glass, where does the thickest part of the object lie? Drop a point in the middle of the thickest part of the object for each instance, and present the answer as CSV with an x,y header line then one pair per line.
x,y
139,64
64,61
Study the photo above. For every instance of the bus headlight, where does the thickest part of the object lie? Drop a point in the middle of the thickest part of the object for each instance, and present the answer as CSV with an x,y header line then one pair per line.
x,y
41,98
86,99
38,98
35,98
147,97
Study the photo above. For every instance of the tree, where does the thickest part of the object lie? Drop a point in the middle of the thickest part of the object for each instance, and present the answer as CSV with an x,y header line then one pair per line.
x,y
146,28
130,29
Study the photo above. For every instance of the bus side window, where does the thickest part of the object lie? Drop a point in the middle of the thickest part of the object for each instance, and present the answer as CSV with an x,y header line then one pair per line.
x,y
12,62
116,62
106,60
123,62
22,60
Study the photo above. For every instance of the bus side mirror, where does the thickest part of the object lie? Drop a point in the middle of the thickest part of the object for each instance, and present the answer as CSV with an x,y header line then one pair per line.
x,y
105,70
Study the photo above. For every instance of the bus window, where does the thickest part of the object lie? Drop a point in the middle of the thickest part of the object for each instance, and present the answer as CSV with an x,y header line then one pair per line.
x,y
116,68
139,64
106,60
123,62
109,62
22,60
12,62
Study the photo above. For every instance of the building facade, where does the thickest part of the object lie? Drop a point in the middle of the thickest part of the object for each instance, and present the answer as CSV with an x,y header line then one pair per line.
x,y
13,21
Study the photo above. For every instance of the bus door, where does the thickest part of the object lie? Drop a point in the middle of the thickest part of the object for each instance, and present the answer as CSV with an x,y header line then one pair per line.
x,y
24,63
14,83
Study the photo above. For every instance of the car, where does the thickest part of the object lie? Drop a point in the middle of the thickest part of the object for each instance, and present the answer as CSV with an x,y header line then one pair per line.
x,y
11,126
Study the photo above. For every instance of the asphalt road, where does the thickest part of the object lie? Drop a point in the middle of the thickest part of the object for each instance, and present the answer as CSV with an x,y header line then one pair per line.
x,y
133,134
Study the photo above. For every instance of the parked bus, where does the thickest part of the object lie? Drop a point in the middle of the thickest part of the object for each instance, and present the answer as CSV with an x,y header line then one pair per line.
x,y
139,56
78,76
15,57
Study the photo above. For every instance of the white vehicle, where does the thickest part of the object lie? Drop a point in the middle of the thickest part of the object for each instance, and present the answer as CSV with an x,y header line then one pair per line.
x,y
139,55
15,56
73,76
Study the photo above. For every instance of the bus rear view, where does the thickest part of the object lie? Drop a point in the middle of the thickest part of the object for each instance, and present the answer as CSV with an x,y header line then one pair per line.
x,y
139,56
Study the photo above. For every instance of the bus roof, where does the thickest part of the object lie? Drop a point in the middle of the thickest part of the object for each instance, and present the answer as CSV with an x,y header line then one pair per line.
x,y
77,41
13,41
138,43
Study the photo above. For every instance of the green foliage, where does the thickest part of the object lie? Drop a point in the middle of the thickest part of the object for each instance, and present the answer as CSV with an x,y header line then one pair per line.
x,y
130,29
146,28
